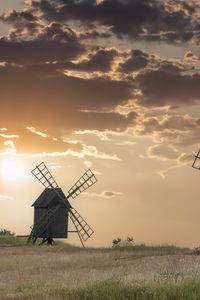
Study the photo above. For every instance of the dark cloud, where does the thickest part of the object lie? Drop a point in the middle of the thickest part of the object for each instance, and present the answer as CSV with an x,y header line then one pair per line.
x,y
14,16
32,41
169,67
23,23
48,79
38,50
101,60
102,121
57,101
151,19
138,60
58,32
162,87
94,34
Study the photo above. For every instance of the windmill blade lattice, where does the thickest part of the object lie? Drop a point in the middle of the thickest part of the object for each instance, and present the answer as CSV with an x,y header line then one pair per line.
x,y
80,224
87,180
42,173
196,163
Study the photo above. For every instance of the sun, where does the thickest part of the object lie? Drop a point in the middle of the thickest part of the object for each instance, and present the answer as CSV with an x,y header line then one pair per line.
x,y
12,169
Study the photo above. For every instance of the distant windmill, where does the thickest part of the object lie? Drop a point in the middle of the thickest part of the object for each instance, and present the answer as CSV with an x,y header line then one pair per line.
x,y
52,208
196,162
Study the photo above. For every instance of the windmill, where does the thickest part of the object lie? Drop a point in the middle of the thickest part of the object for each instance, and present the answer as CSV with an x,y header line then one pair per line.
x,y
196,162
52,208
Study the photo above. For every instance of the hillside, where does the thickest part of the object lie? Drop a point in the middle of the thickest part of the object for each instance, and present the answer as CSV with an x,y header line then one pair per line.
x,y
67,272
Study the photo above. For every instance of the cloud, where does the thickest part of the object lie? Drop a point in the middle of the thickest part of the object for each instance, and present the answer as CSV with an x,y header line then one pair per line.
x,y
91,151
163,152
54,100
104,194
137,60
6,198
64,79
160,88
14,16
183,159
140,19
38,51
23,22
88,163
54,166
101,135
186,158
9,136
34,130
173,129
88,151
34,143
10,147
106,135
101,60
191,57
168,122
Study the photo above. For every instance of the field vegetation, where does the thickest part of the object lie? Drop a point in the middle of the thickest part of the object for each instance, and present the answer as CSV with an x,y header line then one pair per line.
x,y
62,271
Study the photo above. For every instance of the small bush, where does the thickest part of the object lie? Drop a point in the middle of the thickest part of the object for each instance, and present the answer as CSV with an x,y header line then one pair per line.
x,y
130,239
116,242
122,243
6,232
196,250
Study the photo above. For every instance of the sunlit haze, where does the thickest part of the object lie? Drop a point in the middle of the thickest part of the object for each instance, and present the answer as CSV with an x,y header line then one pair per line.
x,y
12,170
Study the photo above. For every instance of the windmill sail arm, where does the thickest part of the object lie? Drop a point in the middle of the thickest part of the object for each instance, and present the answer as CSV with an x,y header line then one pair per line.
x,y
82,227
78,187
87,180
42,173
196,162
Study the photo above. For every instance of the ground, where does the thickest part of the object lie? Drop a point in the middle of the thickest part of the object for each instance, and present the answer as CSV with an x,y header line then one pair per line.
x,y
66,272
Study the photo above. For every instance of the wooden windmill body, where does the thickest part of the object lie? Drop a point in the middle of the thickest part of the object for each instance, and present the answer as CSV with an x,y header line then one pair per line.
x,y
58,228
52,209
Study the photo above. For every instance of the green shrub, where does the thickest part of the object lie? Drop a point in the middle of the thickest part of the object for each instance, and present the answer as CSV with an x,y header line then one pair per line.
x,y
6,232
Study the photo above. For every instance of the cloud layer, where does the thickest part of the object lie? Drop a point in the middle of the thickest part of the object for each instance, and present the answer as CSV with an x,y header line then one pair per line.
x,y
67,78
141,19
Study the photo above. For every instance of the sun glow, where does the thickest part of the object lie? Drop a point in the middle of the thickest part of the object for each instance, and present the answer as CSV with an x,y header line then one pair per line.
x,y
12,170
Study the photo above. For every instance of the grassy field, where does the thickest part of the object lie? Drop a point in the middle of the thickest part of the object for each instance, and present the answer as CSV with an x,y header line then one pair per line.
x,y
66,272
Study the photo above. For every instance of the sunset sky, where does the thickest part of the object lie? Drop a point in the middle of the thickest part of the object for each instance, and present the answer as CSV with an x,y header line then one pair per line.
x,y
111,85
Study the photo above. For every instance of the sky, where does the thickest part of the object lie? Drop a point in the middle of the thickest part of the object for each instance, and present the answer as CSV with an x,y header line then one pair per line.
x,y
111,85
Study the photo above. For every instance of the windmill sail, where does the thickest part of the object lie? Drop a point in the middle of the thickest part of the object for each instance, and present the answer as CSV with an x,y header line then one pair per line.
x,y
196,163
81,225
42,173
87,180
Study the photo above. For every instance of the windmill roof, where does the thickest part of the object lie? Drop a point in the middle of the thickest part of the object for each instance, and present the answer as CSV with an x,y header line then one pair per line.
x,y
48,197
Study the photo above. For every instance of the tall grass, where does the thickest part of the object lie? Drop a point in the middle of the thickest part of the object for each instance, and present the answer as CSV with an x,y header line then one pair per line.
x,y
9,240
67,272
104,291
